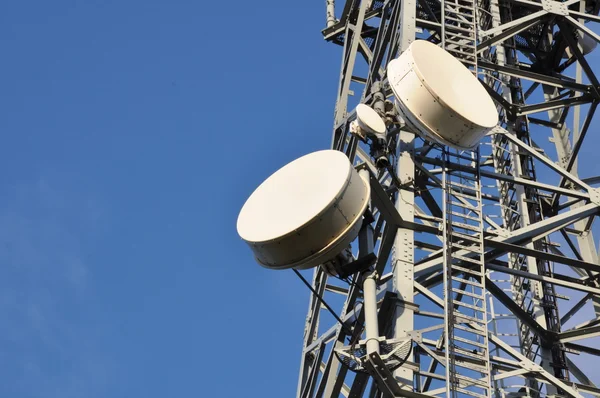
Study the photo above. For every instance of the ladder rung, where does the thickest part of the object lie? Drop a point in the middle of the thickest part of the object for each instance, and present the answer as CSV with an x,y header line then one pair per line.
x,y
466,54
449,41
471,393
457,38
452,28
466,3
469,187
464,205
466,270
470,306
471,381
470,330
469,177
474,228
462,200
470,193
456,6
470,354
461,156
471,238
465,20
473,249
467,259
465,293
458,14
467,318
473,343
457,214
468,282
465,25
470,365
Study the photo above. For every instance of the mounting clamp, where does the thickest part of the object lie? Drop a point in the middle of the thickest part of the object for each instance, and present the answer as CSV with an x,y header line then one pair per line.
x,y
555,7
595,196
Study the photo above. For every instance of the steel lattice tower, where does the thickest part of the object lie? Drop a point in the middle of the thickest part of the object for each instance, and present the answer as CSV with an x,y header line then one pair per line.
x,y
474,252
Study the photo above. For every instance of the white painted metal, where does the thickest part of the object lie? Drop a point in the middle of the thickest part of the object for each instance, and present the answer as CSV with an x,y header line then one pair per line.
x,y
512,225
403,258
446,105
464,284
369,120
371,323
305,213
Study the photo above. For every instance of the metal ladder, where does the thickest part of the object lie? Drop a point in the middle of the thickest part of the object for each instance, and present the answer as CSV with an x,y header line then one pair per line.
x,y
511,216
522,291
466,329
459,30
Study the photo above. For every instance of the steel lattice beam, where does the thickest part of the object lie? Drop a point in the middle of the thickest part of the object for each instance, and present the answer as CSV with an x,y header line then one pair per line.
x,y
526,217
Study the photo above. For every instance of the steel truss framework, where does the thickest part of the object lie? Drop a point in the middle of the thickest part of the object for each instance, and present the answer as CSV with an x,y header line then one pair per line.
x,y
536,214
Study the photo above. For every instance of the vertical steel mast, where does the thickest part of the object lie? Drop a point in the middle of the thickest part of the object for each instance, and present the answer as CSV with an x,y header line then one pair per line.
x,y
483,263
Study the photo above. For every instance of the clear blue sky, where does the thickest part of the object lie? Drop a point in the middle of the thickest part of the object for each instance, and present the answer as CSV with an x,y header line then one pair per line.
x,y
133,131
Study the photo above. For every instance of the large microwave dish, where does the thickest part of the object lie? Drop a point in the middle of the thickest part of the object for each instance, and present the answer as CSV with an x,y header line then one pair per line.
x,y
306,213
439,97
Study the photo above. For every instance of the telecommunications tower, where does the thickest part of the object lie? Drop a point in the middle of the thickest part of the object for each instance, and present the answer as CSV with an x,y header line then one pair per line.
x,y
448,228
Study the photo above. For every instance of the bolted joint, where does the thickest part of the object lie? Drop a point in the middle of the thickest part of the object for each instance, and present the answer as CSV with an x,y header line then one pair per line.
x,y
595,196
